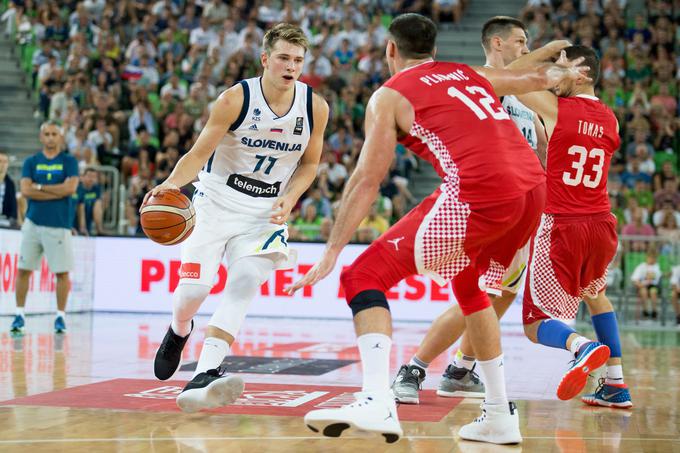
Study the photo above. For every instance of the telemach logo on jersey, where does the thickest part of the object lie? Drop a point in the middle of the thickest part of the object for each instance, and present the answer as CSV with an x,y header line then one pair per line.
x,y
253,187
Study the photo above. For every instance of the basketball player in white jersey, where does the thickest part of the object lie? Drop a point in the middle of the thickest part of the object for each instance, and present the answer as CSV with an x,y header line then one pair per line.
x,y
257,154
504,39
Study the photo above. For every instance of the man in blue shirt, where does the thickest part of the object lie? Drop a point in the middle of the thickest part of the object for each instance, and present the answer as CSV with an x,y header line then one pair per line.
x,y
48,180
89,203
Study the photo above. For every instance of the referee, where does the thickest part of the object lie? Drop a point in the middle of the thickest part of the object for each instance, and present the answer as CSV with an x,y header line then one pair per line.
x,y
48,180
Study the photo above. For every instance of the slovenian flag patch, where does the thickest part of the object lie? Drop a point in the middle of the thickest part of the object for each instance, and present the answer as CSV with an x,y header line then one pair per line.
x,y
276,129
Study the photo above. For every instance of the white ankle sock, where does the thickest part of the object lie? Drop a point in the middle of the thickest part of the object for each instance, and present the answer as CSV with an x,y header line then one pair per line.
x,y
20,311
614,374
419,363
62,314
577,343
493,375
213,352
463,361
374,349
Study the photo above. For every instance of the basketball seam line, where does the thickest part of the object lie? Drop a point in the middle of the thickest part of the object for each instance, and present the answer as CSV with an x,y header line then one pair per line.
x,y
169,226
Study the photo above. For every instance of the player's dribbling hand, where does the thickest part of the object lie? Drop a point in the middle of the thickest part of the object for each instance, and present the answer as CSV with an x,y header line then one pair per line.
x,y
316,273
163,187
281,210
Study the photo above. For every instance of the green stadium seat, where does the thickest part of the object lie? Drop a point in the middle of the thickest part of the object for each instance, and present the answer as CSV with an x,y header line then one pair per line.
x,y
630,262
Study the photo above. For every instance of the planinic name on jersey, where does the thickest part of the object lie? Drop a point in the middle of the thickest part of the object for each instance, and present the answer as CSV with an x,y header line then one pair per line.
x,y
433,79
271,144
590,129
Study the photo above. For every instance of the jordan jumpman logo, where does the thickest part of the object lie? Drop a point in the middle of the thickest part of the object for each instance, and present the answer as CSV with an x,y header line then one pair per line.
x,y
395,242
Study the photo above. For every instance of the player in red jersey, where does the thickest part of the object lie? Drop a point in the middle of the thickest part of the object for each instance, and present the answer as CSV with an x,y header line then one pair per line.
x,y
486,208
577,236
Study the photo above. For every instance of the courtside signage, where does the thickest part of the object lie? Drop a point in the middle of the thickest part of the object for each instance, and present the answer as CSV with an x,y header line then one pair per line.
x,y
136,275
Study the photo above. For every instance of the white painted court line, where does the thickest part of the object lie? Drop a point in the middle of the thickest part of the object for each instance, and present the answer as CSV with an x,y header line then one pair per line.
x,y
294,438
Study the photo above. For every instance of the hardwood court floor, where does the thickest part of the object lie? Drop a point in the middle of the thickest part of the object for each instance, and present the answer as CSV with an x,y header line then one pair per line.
x,y
93,389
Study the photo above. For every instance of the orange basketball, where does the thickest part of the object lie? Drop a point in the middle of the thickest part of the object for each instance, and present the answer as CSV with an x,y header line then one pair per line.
x,y
168,218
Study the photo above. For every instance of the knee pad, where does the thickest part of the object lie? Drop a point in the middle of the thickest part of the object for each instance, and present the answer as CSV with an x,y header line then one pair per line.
x,y
368,299
187,299
248,272
244,279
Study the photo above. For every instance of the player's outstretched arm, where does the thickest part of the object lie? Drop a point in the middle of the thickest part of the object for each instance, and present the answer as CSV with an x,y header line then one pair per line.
x,y
374,162
306,172
362,187
541,55
541,77
224,113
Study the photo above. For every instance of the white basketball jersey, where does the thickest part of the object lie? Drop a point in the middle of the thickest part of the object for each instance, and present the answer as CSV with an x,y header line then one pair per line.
x,y
253,163
523,118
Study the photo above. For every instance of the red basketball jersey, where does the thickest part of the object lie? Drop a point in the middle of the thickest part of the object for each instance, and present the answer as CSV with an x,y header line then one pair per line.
x,y
462,129
579,155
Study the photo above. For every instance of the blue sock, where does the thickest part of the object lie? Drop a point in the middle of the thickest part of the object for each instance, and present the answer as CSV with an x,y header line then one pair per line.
x,y
607,330
554,333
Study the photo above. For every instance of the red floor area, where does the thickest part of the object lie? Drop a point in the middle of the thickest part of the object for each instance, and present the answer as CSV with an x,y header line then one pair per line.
x,y
258,399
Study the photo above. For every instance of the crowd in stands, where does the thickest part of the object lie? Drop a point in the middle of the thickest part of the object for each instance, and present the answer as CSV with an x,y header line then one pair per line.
x,y
133,82
639,81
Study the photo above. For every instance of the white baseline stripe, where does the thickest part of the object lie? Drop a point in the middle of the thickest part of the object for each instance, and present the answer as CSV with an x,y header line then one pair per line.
x,y
282,438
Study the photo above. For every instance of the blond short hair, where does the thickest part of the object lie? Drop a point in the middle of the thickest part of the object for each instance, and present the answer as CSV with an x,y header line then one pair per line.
x,y
286,32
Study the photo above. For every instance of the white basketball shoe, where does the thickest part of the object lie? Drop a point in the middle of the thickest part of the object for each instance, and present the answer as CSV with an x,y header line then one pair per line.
x,y
370,413
498,424
210,390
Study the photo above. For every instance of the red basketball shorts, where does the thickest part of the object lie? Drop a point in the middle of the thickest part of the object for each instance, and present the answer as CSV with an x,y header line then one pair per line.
x,y
449,240
568,261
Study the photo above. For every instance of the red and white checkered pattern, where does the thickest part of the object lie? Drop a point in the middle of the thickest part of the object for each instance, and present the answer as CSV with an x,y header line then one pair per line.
x,y
439,242
546,291
492,280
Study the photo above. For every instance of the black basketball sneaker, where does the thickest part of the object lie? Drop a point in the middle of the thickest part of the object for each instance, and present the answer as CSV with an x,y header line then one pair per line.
x,y
169,354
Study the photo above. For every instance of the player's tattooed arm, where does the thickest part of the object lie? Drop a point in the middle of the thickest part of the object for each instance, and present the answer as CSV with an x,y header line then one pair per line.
x,y
224,113
307,169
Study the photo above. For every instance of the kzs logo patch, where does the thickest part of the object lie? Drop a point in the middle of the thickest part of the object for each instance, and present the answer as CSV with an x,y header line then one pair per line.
x,y
299,121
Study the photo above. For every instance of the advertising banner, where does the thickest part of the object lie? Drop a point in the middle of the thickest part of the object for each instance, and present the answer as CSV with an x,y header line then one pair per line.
x,y
137,275
42,288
